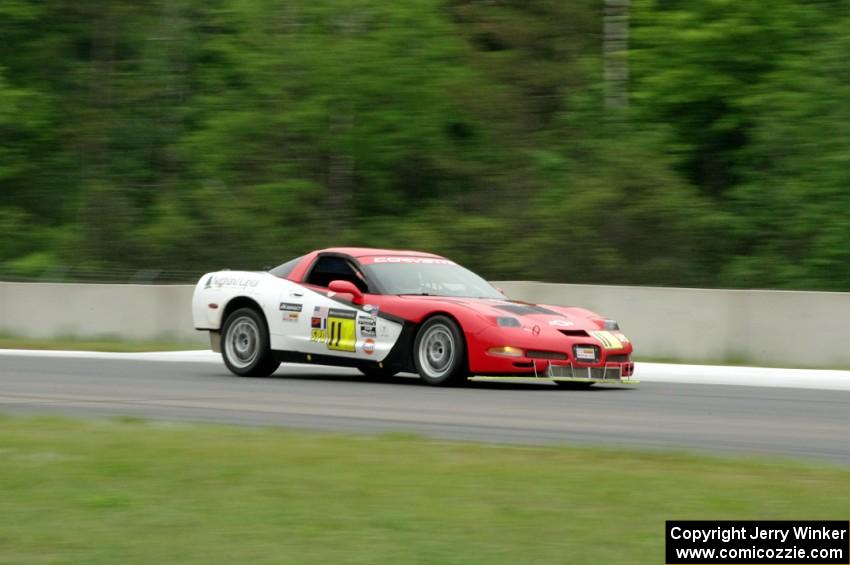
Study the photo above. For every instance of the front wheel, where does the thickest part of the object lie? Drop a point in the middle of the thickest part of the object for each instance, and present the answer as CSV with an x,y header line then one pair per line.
x,y
439,352
245,344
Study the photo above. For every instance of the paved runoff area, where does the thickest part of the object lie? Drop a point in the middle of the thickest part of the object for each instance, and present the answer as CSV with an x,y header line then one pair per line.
x,y
737,410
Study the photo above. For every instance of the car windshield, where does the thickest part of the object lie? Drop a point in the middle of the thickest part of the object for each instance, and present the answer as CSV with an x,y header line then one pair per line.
x,y
431,280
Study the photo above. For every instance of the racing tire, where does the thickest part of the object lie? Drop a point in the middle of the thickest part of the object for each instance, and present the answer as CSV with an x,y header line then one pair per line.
x,y
377,372
245,345
439,352
572,385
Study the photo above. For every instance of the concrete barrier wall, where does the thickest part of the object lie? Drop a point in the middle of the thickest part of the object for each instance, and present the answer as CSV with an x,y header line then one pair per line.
x,y
761,327
752,326
123,311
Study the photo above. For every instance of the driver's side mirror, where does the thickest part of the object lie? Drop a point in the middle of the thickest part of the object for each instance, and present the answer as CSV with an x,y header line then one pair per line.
x,y
347,287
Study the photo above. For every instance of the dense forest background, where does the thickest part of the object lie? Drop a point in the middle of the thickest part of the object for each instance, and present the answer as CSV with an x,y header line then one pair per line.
x,y
157,139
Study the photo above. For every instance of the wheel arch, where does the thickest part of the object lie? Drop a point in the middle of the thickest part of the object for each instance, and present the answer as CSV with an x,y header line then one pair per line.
x,y
238,302
453,318
264,362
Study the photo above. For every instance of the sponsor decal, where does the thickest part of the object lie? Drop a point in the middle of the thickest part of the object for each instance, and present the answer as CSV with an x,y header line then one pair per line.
x,y
369,346
340,313
320,318
367,326
319,325
407,260
233,282
208,284
561,323
371,309
342,332
535,330
607,339
291,316
290,307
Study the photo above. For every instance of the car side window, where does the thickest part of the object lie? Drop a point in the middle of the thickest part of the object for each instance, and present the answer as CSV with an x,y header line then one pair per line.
x,y
284,270
329,268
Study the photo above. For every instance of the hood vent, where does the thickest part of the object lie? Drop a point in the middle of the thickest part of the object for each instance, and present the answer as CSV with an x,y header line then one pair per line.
x,y
526,309
574,333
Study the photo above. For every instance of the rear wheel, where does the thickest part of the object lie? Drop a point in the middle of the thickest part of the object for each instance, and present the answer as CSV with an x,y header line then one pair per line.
x,y
439,352
245,344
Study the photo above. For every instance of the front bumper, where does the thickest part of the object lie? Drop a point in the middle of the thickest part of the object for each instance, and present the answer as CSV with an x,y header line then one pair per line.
x,y
608,373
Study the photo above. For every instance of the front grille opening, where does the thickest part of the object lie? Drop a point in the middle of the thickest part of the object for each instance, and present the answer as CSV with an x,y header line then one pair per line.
x,y
574,333
619,358
536,354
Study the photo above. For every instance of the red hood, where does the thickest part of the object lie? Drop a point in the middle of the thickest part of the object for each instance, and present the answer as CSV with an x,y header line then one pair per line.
x,y
556,317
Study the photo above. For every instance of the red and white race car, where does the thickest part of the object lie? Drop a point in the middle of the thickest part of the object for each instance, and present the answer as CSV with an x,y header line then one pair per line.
x,y
384,311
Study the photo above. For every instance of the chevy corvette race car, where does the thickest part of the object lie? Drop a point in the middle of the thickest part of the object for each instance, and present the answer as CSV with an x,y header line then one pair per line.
x,y
385,312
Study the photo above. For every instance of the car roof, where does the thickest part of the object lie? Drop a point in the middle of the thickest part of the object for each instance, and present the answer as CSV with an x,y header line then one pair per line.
x,y
368,251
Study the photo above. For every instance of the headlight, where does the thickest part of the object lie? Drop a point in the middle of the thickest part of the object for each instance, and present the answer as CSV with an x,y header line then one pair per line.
x,y
611,325
508,322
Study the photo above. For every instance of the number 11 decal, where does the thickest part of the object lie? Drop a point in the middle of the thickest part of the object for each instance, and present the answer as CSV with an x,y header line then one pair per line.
x,y
342,330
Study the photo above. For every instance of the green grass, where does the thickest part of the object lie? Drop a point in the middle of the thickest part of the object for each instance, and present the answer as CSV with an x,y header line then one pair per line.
x,y
128,491
106,343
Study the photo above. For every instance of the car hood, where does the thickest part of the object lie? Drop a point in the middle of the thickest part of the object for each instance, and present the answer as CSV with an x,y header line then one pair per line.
x,y
528,314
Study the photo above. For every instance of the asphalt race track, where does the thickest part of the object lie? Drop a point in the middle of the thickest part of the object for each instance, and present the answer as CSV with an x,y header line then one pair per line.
x,y
794,422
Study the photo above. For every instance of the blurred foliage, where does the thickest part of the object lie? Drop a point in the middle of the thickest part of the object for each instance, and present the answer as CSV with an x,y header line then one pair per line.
x,y
180,136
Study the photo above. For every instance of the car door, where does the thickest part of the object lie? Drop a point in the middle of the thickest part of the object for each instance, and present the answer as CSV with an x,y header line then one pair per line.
x,y
337,326
288,316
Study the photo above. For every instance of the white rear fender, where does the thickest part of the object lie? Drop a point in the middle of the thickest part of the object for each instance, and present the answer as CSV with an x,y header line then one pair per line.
x,y
299,319
215,291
